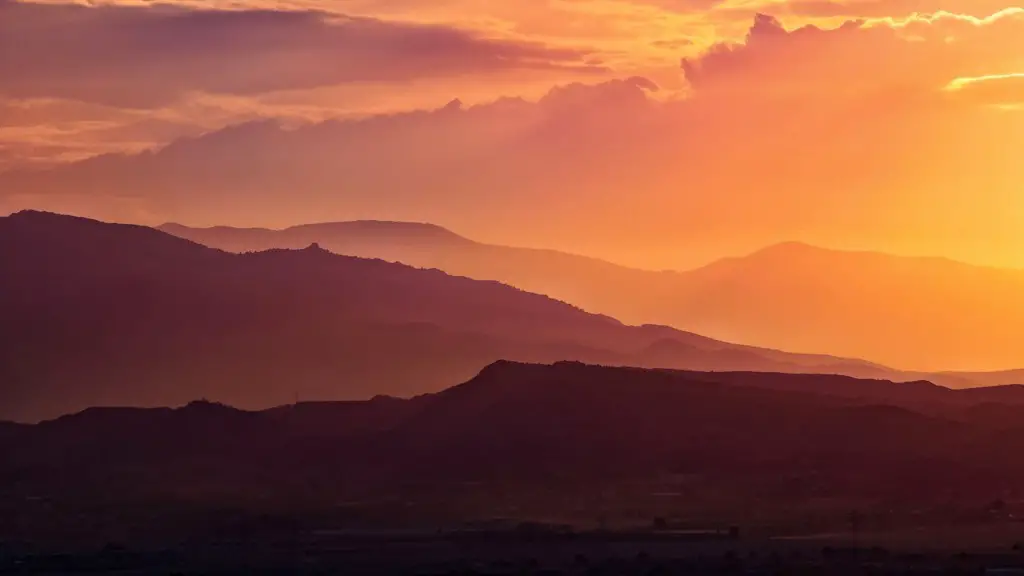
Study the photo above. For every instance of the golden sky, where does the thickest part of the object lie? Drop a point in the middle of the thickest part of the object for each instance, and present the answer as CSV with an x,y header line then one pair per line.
x,y
658,133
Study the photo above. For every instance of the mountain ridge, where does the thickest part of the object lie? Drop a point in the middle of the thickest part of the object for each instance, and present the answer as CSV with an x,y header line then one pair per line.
x,y
790,296
409,231
765,440
133,315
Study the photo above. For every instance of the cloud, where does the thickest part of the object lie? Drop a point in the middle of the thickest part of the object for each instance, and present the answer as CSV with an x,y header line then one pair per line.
x,y
890,8
47,131
845,135
919,53
1002,90
150,54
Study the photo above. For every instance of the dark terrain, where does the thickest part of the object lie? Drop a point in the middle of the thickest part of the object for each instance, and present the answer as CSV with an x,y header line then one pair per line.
x,y
524,461
204,412
108,314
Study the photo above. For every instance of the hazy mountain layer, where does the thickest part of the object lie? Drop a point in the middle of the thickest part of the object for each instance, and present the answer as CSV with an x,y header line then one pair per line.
x,y
105,314
916,313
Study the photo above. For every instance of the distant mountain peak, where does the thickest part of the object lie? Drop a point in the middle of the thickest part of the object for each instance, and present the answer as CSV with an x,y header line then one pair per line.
x,y
792,247
384,228
327,233
796,250
775,255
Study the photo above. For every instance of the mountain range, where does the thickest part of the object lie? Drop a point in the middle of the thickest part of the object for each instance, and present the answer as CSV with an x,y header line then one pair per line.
x,y
924,314
99,314
564,440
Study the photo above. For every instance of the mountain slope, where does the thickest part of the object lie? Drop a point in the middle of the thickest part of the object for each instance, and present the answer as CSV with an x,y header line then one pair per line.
x,y
105,314
906,312
589,283
920,313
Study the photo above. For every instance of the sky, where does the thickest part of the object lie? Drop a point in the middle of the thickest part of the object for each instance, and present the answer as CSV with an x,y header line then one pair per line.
x,y
654,133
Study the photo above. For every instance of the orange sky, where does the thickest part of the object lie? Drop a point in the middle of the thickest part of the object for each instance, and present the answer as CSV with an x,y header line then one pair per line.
x,y
658,133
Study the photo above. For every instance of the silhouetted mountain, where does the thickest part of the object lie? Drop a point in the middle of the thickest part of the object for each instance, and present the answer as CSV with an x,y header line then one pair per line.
x,y
109,314
347,238
903,311
736,444
907,312
590,283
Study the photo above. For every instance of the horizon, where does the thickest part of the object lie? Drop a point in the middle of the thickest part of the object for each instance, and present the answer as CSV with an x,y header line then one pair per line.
x,y
499,365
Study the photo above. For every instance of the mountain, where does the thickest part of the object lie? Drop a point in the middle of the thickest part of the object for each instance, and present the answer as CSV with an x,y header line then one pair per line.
x,y
920,313
587,282
904,312
343,237
565,440
111,314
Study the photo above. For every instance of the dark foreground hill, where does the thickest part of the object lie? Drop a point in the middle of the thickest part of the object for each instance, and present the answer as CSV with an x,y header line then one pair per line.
x,y
567,441
109,314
